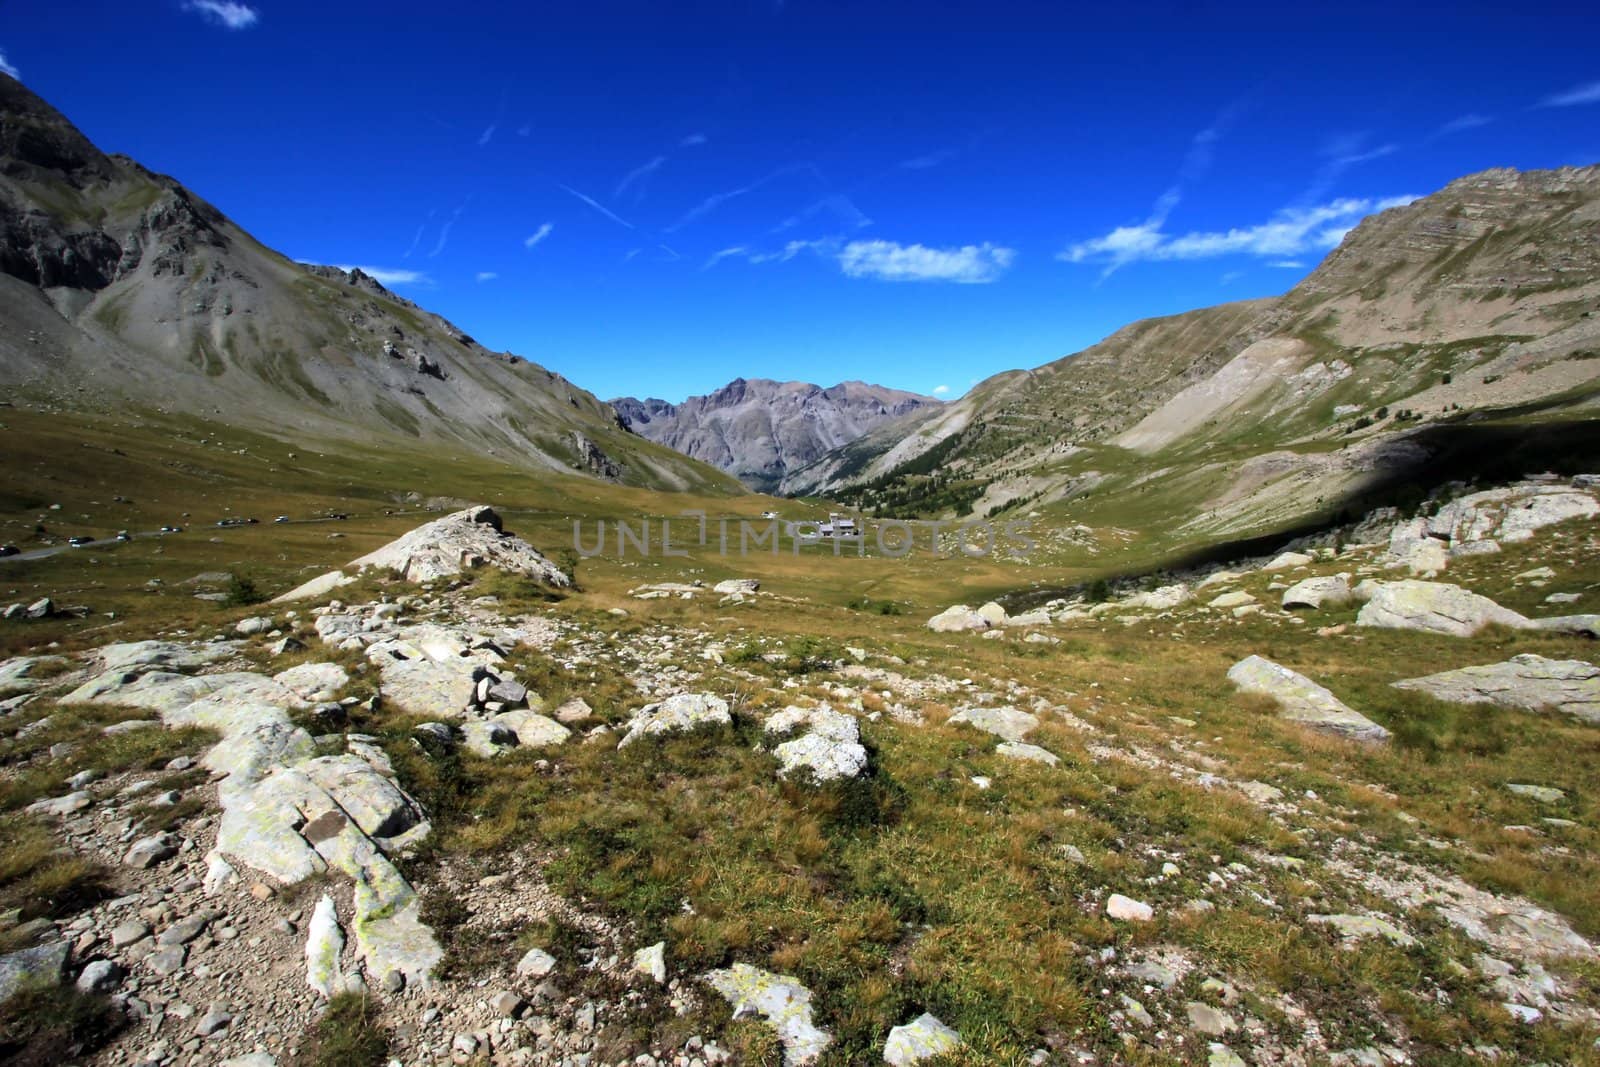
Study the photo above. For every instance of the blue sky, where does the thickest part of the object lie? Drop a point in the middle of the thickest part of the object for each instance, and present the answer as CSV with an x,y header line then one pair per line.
x,y
655,198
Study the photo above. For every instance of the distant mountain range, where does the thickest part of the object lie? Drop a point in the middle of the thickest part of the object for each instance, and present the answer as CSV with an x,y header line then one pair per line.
x,y
759,430
121,290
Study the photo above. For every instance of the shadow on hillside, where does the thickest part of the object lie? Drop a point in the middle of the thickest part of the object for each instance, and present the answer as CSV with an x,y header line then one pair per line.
x,y
1467,450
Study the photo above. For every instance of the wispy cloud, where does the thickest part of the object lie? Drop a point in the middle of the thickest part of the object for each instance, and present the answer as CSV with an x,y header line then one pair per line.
x,y
1461,124
601,208
1340,153
390,276
7,68
1579,94
1290,232
726,253
444,231
694,140
487,135
941,390
416,238
639,176
1287,264
838,205
716,200
892,262
533,239
932,159
486,276
233,15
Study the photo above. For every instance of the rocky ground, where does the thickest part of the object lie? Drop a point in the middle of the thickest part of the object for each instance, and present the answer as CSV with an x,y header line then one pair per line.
x,y
464,806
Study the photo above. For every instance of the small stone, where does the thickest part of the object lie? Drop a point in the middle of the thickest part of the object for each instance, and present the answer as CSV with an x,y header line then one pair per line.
x,y
101,976
1128,909
1208,1020
536,963
213,1021
507,1004
126,933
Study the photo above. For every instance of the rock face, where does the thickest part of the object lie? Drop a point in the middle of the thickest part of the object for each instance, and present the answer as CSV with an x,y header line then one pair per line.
x,y
1433,607
1526,681
466,540
677,714
829,748
759,430
1303,700
779,999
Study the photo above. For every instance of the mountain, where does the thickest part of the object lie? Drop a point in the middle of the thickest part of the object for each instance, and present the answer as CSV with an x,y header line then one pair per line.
x,y
122,290
1427,322
759,430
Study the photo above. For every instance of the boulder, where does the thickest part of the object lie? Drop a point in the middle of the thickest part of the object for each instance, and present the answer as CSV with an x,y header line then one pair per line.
x,y
782,1001
149,851
1128,910
1008,723
993,614
1433,607
444,548
42,965
258,624
652,961
736,585
1027,753
922,1038
1236,599
1286,560
1165,598
1328,591
830,748
677,714
1302,700
100,977
957,618
536,963
324,946
1527,681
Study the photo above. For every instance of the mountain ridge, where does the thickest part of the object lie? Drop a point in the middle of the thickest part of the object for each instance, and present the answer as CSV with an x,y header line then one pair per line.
x,y
759,428
121,288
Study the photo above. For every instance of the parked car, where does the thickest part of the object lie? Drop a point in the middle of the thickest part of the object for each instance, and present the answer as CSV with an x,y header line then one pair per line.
x,y
79,542
281,518
172,529
9,550
124,535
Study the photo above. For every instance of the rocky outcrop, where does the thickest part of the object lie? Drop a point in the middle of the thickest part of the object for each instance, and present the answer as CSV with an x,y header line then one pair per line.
x,y
922,1038
956,619
466,540
1007,723
827,748
1302,700
682,713
1328,591
1528,681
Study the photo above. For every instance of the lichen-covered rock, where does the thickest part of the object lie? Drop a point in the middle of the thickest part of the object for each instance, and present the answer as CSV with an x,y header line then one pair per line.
x,y
922,1038
1526,681
830,747
1355,927
1027,753
1433,607
1302,700
779,999
324,945
677,714
1328,591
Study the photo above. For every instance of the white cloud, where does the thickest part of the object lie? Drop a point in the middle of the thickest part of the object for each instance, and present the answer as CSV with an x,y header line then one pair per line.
x,y
1461,124
726,253
693,140
544,230
487,135
940,390
893,262
1291,232
7,68
487,276
444,231
1578,94
929,161
1287,264
639,175
389,275
229,13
